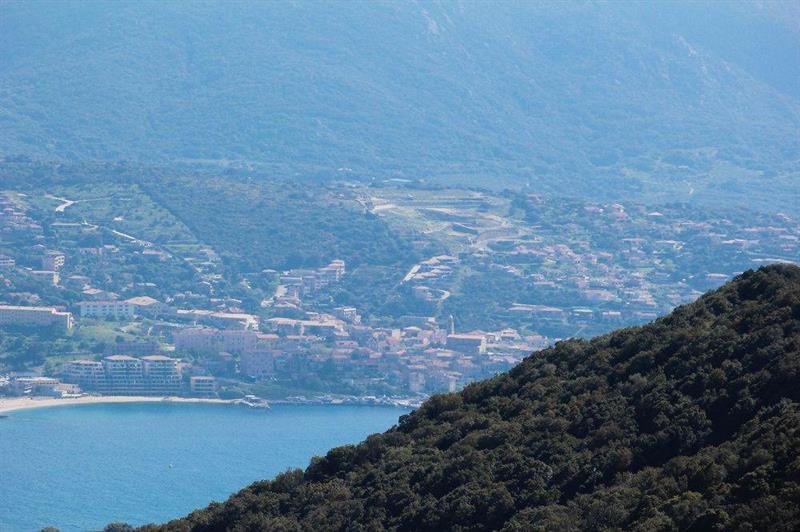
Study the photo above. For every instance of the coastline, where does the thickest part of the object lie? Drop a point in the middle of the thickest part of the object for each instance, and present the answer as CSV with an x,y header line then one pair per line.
x,y
12,404
24,403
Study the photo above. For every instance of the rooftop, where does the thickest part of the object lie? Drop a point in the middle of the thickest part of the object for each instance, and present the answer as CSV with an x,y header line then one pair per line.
x,y
142,301
19,307
120,358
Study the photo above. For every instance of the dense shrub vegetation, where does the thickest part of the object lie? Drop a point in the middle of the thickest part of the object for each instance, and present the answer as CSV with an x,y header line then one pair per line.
x,y
691,422
279,223
252,222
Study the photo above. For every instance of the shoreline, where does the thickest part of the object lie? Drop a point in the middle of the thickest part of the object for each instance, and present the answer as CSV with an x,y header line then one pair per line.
x,y
14,404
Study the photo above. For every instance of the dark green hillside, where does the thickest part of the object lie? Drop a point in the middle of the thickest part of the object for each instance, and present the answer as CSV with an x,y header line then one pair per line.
x,y
608,99
253,223
279,224
691,422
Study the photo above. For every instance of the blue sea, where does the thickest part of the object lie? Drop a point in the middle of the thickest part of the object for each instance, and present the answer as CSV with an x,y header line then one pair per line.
x,y
80,467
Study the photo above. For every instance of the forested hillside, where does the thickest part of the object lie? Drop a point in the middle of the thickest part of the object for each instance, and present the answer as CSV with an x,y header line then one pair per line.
x,y
278,223
607,99
691,422
253,224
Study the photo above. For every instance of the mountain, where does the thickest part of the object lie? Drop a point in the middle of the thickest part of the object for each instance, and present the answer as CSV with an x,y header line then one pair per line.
x,y
666,99
691,422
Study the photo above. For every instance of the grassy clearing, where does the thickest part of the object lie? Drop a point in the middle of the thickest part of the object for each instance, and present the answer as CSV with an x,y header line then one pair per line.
x,y
122,208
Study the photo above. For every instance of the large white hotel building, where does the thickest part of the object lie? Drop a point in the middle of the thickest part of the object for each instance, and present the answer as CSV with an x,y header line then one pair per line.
x,y
127,375
35,317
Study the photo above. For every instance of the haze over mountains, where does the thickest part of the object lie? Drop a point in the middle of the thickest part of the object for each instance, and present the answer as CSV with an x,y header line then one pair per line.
x,y
665,101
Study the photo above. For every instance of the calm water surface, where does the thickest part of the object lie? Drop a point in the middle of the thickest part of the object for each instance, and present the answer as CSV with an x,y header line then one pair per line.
x,y
80,467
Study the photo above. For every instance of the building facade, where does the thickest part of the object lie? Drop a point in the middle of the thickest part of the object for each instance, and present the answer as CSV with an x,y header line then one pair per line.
x,y
89,374
7,263
258,364
124,375
202,385
48,276
215,340
117,310
162,375
471,344
35,317
127,375
53,261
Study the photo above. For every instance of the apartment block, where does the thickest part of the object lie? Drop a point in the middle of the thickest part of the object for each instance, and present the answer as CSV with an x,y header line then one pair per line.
x,y
48,276
124,375
203,385
7,263
348,314
30,386
117,310
53,261
258,364
471,344
162,375
35,317
127,375
89,374
215,340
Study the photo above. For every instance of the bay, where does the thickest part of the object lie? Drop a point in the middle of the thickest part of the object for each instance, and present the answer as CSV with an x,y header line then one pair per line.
x,y
81,467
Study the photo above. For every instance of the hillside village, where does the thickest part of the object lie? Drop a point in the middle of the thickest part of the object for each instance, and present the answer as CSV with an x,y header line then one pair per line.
x,y
133,313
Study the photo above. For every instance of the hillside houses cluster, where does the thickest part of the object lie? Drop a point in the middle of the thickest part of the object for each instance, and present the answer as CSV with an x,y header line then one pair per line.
x,y
556,281
298,283
429,279
416,356
15,221
412,355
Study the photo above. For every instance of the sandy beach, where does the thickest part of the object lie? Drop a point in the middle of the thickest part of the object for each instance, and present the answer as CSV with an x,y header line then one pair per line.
x,y
22,403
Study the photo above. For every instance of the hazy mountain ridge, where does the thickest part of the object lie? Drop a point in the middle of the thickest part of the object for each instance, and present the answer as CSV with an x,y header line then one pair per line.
x,y
691,422
451,90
